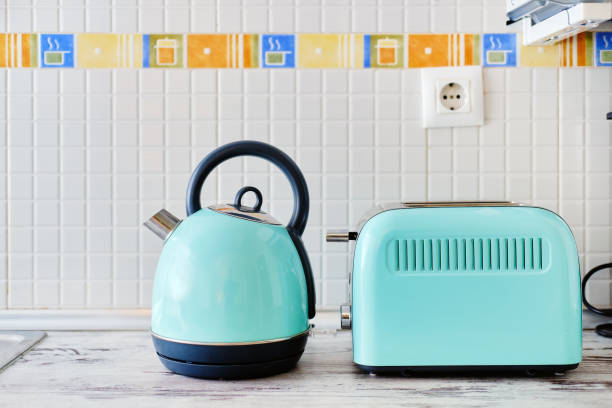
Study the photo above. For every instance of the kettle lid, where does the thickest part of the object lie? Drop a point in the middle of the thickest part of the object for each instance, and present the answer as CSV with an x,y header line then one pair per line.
x,y
247,213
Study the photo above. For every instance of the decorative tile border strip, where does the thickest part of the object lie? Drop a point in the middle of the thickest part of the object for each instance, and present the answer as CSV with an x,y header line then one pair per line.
x,y
94,50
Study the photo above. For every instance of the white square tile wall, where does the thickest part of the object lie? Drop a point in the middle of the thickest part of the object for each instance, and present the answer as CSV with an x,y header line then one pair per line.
x,y
87,155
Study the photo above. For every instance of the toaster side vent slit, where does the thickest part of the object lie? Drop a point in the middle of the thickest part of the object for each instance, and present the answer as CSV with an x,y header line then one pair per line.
x,y
420,255
495,254
503,254
473,254
539,256
453,254
397,255
471,265
486,254
528,254
520,256
445,255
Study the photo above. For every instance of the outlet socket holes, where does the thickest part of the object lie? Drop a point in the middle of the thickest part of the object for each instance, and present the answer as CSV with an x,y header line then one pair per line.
x,y
453,96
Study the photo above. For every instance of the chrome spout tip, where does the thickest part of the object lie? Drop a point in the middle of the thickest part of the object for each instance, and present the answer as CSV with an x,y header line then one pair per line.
x,y
162,223
341,236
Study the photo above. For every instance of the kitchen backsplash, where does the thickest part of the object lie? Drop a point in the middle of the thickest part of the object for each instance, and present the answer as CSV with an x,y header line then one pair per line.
x,y
107,50
92,150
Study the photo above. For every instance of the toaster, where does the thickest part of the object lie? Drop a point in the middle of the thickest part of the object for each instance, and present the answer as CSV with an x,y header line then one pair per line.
x,y
463,286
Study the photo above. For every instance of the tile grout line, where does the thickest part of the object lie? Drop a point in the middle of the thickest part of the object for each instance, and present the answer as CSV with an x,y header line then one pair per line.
x,y
584,200
558,139
6,178
6,189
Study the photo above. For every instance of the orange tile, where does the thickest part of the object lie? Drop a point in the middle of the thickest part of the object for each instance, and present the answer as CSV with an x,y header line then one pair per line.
x,y
577,51
428,50
25,50
212,50
18,50
471,49
3,46
464,49
250,53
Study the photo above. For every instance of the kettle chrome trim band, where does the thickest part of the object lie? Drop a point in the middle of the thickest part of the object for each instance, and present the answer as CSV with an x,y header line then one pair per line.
x,y
231,210
242,343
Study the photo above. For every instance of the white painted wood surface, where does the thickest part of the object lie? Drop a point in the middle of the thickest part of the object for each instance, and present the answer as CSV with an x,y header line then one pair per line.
x,y
117,369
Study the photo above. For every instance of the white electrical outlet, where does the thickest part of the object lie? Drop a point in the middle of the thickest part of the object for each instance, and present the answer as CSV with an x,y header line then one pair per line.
x,y
452,96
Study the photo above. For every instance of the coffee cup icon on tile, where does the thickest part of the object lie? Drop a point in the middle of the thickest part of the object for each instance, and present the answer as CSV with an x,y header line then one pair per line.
x,y
53,55
278,51
497,57
274,55
500,50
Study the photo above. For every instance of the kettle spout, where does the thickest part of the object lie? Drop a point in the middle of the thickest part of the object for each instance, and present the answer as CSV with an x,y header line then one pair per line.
x,y
162,223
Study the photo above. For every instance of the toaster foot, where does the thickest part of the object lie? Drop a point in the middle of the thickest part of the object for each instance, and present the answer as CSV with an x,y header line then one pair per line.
x,y
529,370
259,359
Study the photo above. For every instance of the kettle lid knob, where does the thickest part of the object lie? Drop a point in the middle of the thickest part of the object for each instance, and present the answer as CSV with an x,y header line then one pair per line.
x,y
241,193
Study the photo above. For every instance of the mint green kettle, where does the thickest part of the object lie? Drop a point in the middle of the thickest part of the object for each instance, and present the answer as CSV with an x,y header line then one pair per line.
x,y
233,289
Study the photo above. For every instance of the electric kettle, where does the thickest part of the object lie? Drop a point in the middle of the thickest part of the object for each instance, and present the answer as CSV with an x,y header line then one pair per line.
x,y
233,288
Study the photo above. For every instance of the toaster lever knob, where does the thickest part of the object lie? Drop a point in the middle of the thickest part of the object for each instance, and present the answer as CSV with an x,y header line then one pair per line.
x,y
341,236
345,317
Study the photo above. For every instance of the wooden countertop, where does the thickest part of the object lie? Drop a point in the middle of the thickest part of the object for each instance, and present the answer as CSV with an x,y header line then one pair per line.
x,y
116,369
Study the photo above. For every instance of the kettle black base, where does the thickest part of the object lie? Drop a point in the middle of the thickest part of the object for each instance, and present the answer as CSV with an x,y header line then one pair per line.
x,y
220,361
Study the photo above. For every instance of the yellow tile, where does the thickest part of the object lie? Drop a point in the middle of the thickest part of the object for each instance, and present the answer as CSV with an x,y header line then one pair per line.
x,y
130,51
320,51
98,50
109,50
539,56
356,56
330,50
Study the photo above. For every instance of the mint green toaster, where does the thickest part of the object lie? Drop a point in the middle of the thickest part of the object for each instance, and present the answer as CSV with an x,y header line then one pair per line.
x,y
464,286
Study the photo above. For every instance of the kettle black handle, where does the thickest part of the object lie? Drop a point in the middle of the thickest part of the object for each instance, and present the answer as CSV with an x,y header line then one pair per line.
x,y
298,220
301,206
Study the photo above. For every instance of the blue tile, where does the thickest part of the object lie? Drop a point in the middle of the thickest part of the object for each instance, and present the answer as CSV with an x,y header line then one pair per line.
x,y
603,49
366,51
145,51
499,50
278,51
57,50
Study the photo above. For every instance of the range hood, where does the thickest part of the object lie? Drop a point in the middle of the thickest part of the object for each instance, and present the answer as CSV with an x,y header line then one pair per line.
x,y
546,22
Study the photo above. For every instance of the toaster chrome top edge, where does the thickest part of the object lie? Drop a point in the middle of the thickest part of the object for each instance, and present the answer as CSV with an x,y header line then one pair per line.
x,y
346,235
